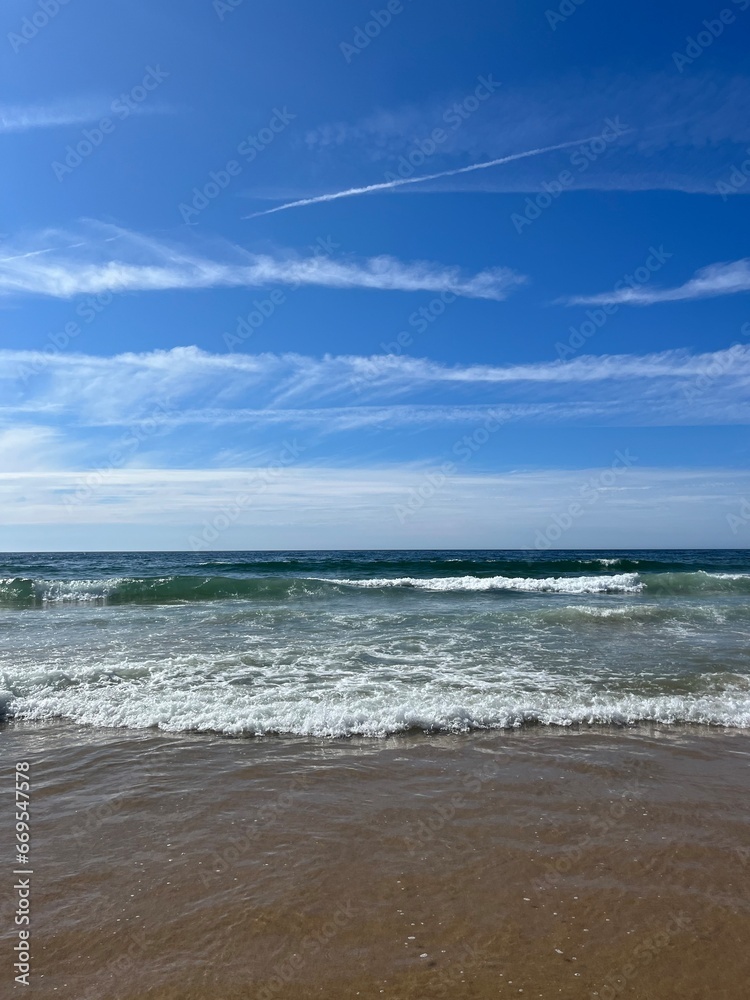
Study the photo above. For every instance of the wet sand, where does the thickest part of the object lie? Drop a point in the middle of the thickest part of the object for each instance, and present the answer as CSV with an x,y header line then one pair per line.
x,y
535,863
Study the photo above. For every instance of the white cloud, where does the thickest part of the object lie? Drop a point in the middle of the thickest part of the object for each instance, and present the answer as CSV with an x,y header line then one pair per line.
x,y
172,407
31,448
716,279
325,507
116,260
95,427
339,419
79,381
23,119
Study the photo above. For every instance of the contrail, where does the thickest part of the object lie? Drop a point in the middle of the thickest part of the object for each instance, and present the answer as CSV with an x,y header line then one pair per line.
x,y
400,181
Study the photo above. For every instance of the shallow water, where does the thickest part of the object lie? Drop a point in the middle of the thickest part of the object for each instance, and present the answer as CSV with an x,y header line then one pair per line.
x,y
539,863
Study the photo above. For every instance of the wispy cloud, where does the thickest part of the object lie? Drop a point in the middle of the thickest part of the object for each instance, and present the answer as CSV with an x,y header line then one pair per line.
x,y
191,363
21,119
403,181
116,260
168,437
31,448
319,506
708,282
257,394
341,419
686,133
41,116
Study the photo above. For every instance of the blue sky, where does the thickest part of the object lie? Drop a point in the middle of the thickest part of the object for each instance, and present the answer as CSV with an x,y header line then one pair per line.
x,y
293,275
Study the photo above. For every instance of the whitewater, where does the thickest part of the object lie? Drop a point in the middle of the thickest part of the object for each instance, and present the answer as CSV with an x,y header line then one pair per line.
x,y
375,643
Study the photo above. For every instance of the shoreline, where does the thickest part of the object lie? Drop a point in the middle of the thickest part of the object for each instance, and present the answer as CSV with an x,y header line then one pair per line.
x,y
531,727
558,863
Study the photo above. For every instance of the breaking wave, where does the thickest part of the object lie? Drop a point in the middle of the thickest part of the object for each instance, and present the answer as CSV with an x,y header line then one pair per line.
x,y
20,591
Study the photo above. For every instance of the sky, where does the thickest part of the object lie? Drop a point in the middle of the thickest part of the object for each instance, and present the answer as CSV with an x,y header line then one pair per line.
x,y
403,275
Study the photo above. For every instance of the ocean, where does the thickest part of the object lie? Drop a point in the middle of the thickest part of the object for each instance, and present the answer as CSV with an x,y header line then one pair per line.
x,y
470,774
341,644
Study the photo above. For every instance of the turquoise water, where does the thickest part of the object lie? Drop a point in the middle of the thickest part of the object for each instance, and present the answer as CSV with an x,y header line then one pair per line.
x,y
343,643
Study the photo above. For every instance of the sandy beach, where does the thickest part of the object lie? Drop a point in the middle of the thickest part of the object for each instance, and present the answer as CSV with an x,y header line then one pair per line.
x,y
543,863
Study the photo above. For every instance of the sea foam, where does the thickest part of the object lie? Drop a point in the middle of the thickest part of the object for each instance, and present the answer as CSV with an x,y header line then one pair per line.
x,y
622,583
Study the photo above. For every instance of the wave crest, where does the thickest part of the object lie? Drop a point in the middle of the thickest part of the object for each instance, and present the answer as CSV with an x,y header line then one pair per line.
x,y
621,583
23,591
